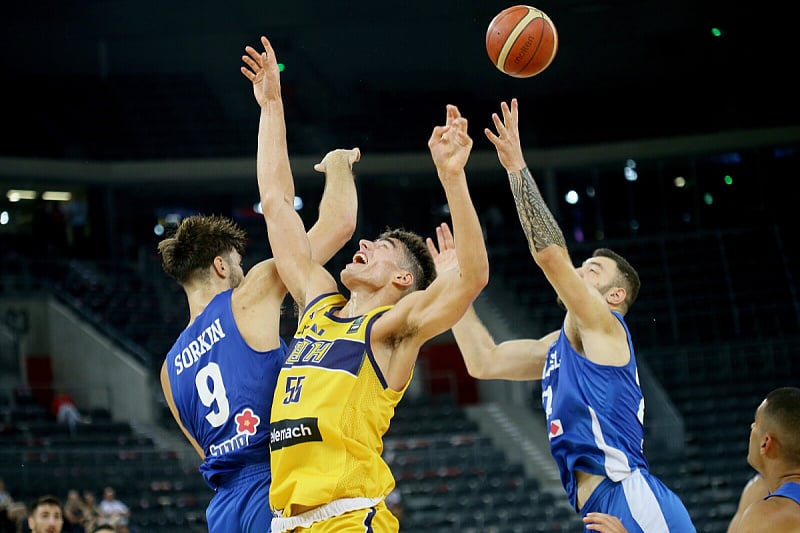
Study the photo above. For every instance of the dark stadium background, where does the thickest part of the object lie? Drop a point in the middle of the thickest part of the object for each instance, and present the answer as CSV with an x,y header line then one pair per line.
x,y
137,109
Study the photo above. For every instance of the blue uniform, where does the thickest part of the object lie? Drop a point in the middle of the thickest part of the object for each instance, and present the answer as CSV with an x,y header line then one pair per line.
x,y
223,392
789,490
595,417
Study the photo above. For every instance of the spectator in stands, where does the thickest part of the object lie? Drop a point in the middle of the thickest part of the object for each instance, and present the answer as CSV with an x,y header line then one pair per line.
x,y
46,515
219,376
111,510
590,385
770,502
7,504
352,358
91,509
74,513
104,528
394,501
66,412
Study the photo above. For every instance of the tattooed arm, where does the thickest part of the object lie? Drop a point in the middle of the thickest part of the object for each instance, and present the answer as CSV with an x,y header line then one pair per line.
x,y
588,322
541,228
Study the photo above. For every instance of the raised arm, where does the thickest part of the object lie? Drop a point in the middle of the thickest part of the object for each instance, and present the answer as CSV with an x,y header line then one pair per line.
x,y
522,359
545,238
288,240
432,311
338,207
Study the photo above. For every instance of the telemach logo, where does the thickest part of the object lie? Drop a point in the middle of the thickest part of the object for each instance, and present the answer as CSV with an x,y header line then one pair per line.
x,y
285,433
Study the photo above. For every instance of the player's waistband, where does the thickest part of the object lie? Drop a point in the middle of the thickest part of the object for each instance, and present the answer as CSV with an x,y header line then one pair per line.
x,y
323,512
232,479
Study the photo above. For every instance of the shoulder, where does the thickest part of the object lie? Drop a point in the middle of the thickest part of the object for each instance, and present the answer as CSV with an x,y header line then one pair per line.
x,y
261,280
778,514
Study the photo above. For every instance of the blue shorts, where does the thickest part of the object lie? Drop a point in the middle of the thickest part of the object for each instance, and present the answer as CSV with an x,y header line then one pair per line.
x,y
643,503
241,504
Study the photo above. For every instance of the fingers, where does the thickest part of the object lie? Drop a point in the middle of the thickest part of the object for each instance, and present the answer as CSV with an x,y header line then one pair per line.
x,y
353,155
432,247
452,114
603,522
445,237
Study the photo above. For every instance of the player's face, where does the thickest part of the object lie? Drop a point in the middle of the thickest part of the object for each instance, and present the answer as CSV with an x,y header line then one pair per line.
x,y
756,437
598,272
375,262
46,519
235,264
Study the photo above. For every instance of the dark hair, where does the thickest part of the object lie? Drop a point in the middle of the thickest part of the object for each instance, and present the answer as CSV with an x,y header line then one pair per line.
x,y
420,261
47,499
628,278
782,412
196,242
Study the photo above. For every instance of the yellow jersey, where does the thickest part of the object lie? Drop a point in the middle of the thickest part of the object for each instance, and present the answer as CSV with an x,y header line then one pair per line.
x,y
330,411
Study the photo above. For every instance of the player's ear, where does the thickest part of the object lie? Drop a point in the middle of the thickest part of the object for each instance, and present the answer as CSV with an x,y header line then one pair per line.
x,y
404,279
769,445
616,296
220,266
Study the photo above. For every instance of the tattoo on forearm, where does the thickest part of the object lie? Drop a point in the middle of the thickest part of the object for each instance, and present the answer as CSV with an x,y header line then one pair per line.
x,y
540,228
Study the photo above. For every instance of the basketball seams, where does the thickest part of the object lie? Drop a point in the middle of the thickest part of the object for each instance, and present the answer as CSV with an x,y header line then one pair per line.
x,y
514,34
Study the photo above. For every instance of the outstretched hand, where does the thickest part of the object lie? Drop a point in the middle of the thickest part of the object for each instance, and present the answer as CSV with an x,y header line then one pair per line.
x,y
506,141
450,145
603,523
340,156
444,256
262,69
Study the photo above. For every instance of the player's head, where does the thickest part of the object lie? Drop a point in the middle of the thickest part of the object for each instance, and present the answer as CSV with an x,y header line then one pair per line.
x,y
613,277
201,242
775,432
46,515
397,256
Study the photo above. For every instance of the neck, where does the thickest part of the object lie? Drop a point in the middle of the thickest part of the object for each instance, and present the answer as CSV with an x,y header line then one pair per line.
x,y
775,478
199,298
362,302
793,476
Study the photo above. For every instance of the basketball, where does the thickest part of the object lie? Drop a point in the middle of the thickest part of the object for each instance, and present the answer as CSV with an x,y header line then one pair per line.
x,y
521,41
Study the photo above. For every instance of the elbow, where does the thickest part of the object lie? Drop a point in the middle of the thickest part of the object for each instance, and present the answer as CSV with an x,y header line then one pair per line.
x,y
271,204
479,279
342,229
550,255
476,373
347,225
474,367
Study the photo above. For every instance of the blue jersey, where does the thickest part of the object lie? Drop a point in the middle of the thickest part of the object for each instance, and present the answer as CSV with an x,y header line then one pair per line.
x,y
223,391
595,414
789,490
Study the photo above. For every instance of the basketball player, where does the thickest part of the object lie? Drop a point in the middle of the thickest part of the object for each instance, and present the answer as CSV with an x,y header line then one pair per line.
x,y
590,385
770,502
352,359
46,515
219,376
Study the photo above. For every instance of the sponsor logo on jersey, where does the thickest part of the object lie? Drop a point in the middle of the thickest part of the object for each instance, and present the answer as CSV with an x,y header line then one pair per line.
x,y
246,426
355,325
285,433
556,428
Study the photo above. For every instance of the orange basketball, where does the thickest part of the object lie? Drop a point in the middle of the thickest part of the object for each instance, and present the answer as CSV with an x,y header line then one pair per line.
x,y
521,41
